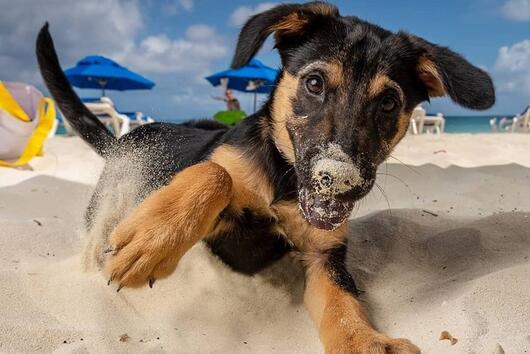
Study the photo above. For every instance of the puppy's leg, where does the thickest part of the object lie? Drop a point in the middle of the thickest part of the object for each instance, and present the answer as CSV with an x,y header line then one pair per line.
x,y
148,244
342,323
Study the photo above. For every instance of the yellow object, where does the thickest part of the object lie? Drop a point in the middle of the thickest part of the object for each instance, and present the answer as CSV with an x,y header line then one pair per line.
x,y
46,117
10,105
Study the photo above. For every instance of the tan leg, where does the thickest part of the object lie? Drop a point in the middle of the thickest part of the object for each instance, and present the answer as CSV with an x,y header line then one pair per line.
x,y
343,326
330,290
148,244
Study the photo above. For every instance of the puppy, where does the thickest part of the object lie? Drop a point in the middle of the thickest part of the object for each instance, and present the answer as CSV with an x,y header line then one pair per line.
x,y
285,179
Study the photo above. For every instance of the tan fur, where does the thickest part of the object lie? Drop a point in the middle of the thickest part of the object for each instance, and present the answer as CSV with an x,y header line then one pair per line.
x,y
403,126
343,325
308,239
378,84
282,110
251,188
291,23
149,243
296,21
335,73
333,70
322,9
430,75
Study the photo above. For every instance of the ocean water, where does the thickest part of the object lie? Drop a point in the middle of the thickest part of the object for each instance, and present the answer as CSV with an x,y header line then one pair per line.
x,y
453,124
469,124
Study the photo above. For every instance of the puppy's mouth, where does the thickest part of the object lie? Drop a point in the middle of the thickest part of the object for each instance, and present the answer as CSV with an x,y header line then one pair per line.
x,y
324,212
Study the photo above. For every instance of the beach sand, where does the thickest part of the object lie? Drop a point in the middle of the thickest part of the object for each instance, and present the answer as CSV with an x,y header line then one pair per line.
x,y
446,250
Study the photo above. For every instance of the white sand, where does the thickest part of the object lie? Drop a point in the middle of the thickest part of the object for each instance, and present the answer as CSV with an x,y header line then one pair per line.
x,y
465,271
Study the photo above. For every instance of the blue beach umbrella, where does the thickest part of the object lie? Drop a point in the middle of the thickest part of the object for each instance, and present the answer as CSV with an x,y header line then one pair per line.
x,y
254,77
97,72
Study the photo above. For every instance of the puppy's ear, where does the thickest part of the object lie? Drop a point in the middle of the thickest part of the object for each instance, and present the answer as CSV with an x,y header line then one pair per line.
x,y
286,21
444,72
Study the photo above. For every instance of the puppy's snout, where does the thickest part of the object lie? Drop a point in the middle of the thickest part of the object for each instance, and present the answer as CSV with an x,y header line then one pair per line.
x,y
332,177
326,180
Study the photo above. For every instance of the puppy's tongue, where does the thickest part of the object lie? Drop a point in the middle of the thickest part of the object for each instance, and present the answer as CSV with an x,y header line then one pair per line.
x,y
324,213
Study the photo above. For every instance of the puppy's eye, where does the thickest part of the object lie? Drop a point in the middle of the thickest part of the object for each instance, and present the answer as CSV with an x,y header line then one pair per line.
x,y
388,104
314,84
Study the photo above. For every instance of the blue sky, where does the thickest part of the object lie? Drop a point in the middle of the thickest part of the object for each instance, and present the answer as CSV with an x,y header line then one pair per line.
x,y
178,42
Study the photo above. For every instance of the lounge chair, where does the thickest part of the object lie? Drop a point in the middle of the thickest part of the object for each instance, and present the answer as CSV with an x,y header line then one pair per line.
x,y
421,123
107,114
117,122
493,125
137,119
417,114
520,123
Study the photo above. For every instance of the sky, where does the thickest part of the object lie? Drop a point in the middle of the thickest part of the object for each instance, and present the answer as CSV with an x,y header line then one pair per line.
x,y
176,43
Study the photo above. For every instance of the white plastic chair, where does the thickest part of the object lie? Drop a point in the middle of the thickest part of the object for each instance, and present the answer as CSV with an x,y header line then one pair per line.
x,y
521,123
104,110
417,115
420,122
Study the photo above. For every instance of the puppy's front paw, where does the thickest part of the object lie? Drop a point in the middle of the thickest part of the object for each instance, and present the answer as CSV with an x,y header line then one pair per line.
x,y
141,253
373,343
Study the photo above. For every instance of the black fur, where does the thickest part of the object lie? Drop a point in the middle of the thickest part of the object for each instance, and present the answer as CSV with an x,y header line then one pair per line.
x,y
259,27
252,243
336,265
466,84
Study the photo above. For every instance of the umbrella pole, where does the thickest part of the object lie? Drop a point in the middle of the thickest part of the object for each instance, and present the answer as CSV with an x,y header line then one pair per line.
x,y
103,92
255,97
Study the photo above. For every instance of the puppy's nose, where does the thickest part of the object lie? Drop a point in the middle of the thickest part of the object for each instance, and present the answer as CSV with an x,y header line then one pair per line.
x,y
332,177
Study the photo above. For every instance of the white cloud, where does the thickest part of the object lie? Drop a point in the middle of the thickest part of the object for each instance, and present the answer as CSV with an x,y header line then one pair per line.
x,y
79,28
189,95
200,32
516,10
173,7
191,54
107,27
512,69
242,13
186,4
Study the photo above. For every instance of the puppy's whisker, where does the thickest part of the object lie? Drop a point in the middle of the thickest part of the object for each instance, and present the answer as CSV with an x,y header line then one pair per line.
x,y
396,177
356,208
285,174
385,196
404,164
386,171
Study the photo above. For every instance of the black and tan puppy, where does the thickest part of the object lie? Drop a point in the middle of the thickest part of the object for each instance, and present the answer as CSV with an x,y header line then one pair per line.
x,y
283,181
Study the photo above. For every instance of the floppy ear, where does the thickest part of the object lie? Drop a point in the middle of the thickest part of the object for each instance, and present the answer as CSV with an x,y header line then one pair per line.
x,y
286,21
445,72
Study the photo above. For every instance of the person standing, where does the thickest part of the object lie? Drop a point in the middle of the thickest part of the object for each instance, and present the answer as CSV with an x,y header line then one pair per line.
x,y
232,103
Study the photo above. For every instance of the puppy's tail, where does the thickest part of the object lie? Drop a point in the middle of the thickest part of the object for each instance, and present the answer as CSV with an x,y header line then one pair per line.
x,y
86,124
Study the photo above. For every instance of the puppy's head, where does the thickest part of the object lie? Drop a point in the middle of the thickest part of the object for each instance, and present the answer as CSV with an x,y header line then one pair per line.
x,y
345,96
